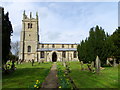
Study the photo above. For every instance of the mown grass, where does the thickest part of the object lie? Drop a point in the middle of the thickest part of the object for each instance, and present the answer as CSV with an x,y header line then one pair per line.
x,y
108,78
26,75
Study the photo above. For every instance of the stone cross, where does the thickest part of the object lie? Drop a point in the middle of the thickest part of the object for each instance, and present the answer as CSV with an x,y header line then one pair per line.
x,y
97,64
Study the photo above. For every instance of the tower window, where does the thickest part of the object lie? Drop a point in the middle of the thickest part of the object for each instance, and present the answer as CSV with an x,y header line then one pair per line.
x,y
64,54
29,25
29,48
75,54
62,45
42,54
53,46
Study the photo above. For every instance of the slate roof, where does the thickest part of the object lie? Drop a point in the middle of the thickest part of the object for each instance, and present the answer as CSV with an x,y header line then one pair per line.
x,y
57,49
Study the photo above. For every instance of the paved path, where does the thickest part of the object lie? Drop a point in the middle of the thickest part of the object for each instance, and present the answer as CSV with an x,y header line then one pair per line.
x,y
51,80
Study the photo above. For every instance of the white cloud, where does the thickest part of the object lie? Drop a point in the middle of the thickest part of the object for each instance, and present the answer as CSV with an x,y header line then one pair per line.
x,y
61,22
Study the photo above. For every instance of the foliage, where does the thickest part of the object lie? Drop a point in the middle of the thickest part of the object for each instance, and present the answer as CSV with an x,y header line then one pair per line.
x,y
63,81
99,44
6,33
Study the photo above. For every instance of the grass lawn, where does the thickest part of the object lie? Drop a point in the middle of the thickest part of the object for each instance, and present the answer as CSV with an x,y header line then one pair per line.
x,y
26,75
108,78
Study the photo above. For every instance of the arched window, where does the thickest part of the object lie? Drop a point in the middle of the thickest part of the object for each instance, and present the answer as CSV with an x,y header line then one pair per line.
x,y
29,48
64,54
29,25
75,54
42,54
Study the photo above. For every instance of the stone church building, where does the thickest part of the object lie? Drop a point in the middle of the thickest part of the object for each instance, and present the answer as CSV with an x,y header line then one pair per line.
x,y
31,48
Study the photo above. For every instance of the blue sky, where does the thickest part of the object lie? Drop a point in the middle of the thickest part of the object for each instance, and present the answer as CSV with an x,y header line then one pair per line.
x,y
64,21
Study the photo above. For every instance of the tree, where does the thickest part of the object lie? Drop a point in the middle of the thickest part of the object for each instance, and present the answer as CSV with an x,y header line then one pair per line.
x,y
93,46
6,33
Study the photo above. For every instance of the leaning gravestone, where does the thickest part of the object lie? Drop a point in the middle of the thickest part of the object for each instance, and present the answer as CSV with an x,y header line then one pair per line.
x,y
108,63
97,64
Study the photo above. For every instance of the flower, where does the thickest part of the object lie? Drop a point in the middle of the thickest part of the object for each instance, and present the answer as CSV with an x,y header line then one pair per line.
x,y
59,86
35,85
37,80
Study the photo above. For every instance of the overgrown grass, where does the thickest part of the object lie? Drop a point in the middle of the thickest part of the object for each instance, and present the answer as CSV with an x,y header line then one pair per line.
x,y
108,78
26,75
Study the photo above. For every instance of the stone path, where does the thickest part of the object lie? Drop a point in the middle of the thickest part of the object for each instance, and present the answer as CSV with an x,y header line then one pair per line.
x,y
51,80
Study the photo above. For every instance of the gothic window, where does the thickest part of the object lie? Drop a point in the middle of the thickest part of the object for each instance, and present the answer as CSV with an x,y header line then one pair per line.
x,y
72,46
62,45
42,45
29,25
64,54
42,54
29,48
75,54
53,46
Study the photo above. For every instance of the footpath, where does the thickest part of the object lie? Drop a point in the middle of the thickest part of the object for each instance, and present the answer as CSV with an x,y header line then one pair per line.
x,y
51,80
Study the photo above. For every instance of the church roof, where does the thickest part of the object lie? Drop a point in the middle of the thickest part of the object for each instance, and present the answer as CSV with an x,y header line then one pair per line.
x,y
57,49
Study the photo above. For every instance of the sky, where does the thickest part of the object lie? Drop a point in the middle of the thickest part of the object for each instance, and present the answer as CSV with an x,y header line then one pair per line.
x,y
64,22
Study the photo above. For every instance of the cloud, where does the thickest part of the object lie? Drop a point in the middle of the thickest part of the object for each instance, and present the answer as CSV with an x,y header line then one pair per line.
x,y
63,22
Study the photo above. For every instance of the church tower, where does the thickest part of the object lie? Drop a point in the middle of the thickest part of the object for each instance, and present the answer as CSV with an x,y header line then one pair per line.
x,y
29,38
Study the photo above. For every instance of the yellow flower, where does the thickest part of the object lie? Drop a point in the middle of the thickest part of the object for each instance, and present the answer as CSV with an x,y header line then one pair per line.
x,y
37,80
35,85
59,86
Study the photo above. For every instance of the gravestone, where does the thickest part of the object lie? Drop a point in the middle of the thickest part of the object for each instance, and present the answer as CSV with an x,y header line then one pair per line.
x,y
97,64
81,63
114,62
32,62
108,63
92,66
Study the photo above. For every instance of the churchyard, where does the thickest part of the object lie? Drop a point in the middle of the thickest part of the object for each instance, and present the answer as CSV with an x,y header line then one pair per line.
x,y
26,75
72,74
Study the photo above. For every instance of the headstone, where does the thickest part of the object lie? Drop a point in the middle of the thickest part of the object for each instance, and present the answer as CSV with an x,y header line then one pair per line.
x,y
92,66
32,62
108,63
97,64
114,62
81,63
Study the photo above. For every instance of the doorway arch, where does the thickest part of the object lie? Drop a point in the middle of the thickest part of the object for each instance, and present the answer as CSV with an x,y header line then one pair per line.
x,y
54,57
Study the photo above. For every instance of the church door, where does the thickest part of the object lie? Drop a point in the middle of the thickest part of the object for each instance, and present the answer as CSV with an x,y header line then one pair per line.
x,y
54,57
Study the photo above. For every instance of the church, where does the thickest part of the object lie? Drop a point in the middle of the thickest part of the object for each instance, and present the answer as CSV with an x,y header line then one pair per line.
x,y
32,49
